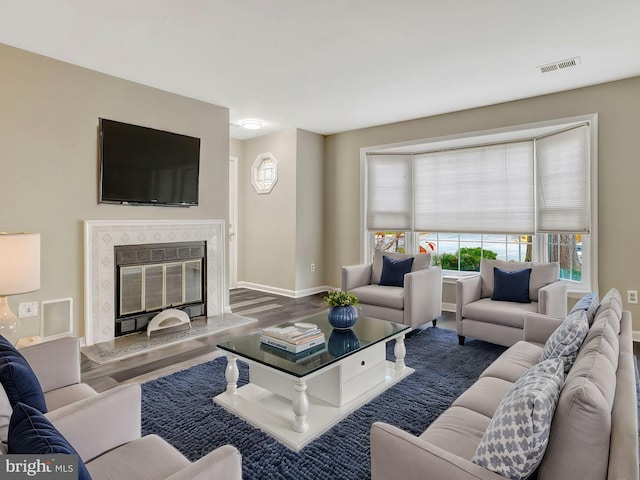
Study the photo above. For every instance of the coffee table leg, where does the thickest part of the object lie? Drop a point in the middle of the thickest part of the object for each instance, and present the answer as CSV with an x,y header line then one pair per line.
x,y
300,406
400,351
231,374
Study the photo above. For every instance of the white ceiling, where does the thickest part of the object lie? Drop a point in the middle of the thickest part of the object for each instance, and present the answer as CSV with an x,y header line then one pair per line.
x,y
335,65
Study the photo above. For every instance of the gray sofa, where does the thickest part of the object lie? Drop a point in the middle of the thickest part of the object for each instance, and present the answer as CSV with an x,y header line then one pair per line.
x,y
500,322
418,302
593,432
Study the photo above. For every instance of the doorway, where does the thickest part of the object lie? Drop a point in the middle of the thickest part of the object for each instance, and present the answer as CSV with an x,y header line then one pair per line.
x,y
233,222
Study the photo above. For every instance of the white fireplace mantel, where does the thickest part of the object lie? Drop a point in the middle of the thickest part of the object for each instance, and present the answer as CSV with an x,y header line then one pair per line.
x,y
100,236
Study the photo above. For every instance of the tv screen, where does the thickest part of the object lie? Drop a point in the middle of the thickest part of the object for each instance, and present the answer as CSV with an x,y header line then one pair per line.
x,y
144,166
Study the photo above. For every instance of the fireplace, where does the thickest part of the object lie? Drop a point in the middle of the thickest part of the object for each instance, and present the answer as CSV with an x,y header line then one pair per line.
x,y
153,277
101,238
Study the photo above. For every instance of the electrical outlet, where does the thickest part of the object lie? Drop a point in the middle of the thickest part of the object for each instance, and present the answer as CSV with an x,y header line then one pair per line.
x,y
313,267
28,309
632,296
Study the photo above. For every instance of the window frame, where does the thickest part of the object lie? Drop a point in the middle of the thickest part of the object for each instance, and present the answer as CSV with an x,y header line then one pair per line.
x,y
589,275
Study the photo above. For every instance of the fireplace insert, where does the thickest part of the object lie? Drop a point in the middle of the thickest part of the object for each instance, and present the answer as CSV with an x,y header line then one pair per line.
x,y
153,277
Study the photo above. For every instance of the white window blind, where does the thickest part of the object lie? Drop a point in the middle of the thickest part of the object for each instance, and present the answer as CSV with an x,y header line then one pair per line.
x,y
563,196
488,189
389,192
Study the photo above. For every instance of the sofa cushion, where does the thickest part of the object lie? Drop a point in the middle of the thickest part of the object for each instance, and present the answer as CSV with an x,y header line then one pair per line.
x,y
458,430
484,395
541,274
421,261
510,314
514,362
66,395
515,441
511,286
393,271
391,297
589,303
31,433
581,429
565,341
611,302
148,457
18,379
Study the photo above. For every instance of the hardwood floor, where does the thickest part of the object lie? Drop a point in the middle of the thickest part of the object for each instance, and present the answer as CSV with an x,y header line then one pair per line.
x,y
267,308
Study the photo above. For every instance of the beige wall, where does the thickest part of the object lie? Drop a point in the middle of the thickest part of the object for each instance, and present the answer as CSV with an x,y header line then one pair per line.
x,y
280,234
309,211
48,153
617,104
267,222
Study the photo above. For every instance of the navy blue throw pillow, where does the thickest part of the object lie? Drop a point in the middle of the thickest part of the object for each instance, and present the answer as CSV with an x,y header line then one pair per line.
x,y
31,433
18,379
511,286
393,271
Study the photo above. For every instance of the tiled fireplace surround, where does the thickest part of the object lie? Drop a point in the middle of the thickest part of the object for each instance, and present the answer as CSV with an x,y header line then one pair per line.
x,y
101,236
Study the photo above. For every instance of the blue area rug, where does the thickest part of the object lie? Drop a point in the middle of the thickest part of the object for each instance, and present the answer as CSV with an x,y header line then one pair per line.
x,y
179,408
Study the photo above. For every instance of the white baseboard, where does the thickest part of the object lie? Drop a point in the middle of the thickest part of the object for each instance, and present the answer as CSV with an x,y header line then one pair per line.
x,y
448,307
636,336
284,292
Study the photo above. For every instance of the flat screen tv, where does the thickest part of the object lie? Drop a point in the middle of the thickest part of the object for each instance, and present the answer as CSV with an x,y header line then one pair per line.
x,y
144,166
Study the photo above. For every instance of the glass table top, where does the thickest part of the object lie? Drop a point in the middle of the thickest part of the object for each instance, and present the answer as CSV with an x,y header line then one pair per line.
x,y
338,344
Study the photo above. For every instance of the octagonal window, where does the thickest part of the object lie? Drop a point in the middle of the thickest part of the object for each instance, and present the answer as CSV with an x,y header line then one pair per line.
x,y
264,173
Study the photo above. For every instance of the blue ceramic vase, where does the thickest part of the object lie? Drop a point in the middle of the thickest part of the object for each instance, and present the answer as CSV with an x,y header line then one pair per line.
x,y
342,318
342,342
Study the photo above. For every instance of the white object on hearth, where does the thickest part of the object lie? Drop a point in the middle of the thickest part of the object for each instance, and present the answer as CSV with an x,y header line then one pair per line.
x,y
19,273
171,317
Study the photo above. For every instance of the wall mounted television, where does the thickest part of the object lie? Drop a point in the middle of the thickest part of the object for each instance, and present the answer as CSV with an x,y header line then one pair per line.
x,y
145,166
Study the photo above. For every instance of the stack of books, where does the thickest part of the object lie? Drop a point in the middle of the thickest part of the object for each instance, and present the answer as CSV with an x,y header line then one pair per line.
x,y
293,338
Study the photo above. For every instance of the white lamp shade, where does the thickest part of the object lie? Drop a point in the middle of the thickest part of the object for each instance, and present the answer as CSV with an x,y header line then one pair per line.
x,y
19,263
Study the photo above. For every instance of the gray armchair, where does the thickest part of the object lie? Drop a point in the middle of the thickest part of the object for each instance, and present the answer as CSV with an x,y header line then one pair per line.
x,y
502,322
105,430
56,364
419,301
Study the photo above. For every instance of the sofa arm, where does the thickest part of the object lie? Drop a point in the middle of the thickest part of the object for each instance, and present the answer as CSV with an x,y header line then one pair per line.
x,y
354,276
537,327
422,296
468,289
396,454
100,423
55,362
224,463
552,300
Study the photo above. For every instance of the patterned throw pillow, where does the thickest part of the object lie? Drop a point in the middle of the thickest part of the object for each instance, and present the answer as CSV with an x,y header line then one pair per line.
x,y
566,340
589,303
515,440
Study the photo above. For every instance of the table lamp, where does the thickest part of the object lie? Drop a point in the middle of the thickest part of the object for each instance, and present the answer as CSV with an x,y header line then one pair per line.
x,y
19,273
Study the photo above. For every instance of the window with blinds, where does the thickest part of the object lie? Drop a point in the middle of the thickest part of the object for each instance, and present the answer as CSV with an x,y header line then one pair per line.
x,y
538,185
522,193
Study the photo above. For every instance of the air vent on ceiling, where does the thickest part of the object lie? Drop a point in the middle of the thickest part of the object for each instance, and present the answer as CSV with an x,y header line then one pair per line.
x,y
552,67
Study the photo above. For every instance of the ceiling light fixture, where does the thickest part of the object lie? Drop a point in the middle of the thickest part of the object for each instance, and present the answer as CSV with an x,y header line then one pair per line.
x,y
251,124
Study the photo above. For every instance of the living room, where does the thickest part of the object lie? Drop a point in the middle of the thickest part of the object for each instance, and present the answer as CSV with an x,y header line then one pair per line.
x,y
312,216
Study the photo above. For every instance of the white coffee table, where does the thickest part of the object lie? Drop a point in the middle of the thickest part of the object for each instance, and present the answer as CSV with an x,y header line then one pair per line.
x,y
296,399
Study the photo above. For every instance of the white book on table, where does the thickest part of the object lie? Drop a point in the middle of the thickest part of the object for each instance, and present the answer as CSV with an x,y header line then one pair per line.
x,y
289,347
